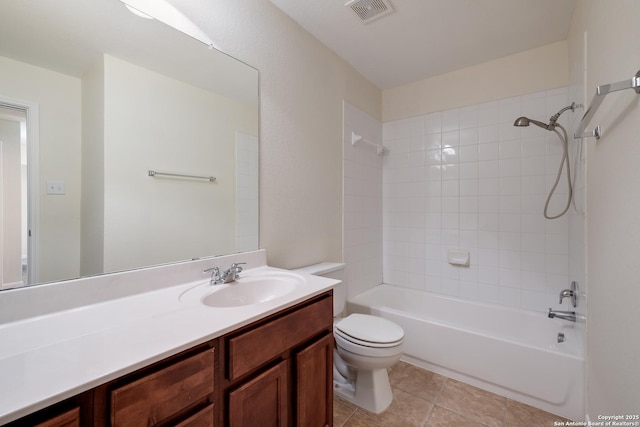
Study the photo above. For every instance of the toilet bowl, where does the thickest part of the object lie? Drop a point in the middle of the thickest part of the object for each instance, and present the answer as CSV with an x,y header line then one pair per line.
x,y
365,347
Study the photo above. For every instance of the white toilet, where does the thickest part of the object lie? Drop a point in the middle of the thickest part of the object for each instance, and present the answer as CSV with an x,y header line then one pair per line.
x,y
366,346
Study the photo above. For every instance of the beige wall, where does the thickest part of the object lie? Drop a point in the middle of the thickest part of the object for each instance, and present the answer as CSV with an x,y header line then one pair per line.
x,y
153,122
302,86
58,97
526,72
613,203
92,203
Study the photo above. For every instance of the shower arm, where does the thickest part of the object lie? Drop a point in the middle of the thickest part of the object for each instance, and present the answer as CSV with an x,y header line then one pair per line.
x,y
555,117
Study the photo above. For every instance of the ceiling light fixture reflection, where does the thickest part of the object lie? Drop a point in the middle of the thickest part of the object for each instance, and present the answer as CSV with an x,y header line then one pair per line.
x,y
164,12
137,12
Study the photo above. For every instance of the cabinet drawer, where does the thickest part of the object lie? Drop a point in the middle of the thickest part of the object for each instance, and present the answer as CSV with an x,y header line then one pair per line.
x,y
164,393
70,418
261,344
203,418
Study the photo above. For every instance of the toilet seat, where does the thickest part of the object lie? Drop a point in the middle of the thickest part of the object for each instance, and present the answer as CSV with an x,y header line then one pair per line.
x,y
363,343
369,331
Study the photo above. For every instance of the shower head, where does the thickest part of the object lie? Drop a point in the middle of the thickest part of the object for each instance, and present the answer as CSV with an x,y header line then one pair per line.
x,y
525,121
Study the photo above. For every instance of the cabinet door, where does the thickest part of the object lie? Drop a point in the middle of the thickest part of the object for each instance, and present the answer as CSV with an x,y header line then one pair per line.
x,y
262,401
314,390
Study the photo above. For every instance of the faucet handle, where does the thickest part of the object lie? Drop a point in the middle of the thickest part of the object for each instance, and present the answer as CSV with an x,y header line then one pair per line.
x,y
215,274
214,269
235,267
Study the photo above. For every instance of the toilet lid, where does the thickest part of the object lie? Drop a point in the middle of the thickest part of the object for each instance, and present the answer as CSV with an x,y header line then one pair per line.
x,y
369,329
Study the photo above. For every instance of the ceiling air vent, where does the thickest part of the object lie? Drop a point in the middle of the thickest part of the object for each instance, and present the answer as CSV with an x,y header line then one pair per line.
x,y
370,10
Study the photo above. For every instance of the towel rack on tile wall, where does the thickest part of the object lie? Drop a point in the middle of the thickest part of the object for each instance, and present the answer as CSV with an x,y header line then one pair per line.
x,y
355,138
601,92
180,175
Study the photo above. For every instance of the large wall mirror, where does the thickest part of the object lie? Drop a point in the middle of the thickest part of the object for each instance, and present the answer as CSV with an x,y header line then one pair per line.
x,y
124,143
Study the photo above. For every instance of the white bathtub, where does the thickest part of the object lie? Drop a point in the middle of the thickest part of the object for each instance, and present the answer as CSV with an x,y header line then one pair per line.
x,y
510,352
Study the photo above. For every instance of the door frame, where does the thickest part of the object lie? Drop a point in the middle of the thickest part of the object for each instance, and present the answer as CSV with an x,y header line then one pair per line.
x,y
32,112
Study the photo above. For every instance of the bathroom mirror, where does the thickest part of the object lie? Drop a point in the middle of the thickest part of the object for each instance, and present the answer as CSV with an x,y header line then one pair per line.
x,y
124,143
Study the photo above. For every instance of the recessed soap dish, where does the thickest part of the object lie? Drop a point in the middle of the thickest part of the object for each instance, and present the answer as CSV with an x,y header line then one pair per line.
x,y
458,257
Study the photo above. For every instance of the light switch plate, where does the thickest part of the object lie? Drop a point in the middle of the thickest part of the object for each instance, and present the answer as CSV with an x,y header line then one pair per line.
x,y
55,187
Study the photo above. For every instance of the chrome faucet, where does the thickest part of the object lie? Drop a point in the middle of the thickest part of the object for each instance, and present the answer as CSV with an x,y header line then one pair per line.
x,y
570,293
226,276
564,315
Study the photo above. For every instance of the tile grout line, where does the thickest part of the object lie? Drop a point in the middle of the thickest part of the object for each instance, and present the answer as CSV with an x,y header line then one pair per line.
x,y
506,412
435,400
444,384
455,411
349,417
426,420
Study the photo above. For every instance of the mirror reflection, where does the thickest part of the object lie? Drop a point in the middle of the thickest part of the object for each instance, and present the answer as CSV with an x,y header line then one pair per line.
x,y
93,98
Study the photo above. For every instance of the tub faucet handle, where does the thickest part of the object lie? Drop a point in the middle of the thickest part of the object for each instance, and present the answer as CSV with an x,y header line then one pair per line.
x,y
571,293
565,293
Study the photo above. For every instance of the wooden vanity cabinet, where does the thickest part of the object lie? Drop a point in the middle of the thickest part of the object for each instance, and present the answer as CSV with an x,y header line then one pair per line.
x,y
278,371
274,372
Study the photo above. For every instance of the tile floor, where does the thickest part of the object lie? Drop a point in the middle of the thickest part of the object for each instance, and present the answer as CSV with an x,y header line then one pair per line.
x,y
425,399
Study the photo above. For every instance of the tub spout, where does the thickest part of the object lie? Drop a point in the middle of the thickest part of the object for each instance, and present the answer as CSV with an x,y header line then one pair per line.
x,y
564,315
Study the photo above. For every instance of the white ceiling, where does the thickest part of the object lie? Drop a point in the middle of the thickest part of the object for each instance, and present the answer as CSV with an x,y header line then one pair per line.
x,y
424,38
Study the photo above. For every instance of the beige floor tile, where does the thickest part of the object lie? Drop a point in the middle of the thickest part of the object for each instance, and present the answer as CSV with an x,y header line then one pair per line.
x,y
360,419
521,415
406,410
423,398
419,382
472,402
441,417
342,410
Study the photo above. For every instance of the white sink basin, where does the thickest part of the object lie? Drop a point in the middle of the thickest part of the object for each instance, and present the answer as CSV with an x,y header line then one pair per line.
x,y
247,290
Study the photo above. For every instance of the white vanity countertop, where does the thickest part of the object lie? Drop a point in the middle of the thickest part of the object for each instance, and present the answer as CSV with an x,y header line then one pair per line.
x,y
46,359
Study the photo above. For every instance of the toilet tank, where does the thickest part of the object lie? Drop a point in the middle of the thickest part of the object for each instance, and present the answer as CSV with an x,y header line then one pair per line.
x,y
332,270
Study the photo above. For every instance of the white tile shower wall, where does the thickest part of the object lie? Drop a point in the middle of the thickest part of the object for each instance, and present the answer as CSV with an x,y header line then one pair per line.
x,y
468,179
362,202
